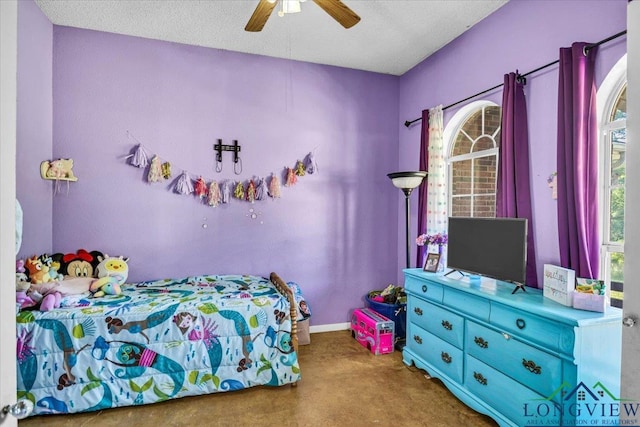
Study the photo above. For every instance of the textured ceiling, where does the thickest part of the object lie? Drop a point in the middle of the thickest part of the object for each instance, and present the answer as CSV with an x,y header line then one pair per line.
x,y
392,37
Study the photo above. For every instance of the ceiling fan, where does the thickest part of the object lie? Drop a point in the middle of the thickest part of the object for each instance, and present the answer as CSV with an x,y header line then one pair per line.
x,y
338,11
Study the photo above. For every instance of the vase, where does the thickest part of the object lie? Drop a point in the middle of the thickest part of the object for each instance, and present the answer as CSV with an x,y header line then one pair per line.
x,y
442,251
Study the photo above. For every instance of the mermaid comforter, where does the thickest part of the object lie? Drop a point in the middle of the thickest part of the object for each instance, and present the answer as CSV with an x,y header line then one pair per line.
x,y
156,341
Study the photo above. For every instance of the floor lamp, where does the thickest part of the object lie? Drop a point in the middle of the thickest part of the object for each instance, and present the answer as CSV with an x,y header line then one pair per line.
x,y
407,181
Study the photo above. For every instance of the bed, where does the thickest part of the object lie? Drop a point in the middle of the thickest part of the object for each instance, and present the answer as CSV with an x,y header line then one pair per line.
x,y
158,340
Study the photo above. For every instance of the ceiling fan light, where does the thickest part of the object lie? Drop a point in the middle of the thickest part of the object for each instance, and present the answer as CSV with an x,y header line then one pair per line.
x,y
291,6
272,1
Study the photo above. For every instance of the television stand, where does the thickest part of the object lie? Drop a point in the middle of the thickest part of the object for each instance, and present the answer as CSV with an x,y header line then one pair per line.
x,y
455,271
481,355
518,286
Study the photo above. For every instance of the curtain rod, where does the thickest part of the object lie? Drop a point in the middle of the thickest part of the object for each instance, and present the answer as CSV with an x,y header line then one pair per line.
x,y
586,48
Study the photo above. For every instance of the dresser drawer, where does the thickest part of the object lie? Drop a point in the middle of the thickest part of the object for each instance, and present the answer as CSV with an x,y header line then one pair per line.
x,y
438,353
467,303
542,331
423,288
536,369
516,402
440,322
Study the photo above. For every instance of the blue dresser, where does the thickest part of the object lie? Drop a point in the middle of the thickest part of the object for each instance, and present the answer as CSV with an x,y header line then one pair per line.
x,y
521,359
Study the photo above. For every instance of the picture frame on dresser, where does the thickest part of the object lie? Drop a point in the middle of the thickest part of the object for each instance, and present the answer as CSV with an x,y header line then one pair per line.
x,y
431,263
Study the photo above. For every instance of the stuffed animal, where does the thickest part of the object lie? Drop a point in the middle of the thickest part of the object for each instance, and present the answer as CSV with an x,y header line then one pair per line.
x,y
24,300
80,264
53,266
38,272
22,281
58,169
50,294
112,272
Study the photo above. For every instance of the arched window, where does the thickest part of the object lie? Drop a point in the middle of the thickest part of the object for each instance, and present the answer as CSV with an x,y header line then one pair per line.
x,y
474,136
612,102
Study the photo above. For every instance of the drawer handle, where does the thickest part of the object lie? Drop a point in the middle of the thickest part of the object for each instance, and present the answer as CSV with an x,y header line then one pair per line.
x,y
480,378
424,288
531,366
481,342
520,323
417,339
448,326
445,357
418,311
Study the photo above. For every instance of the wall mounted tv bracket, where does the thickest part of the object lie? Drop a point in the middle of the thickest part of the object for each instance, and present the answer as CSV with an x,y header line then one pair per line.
x,y
237,162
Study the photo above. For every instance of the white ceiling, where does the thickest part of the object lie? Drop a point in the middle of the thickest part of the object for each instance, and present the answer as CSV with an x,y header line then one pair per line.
x,y
392,37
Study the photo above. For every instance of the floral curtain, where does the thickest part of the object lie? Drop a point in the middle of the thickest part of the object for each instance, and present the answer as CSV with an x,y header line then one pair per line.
x,y
437,213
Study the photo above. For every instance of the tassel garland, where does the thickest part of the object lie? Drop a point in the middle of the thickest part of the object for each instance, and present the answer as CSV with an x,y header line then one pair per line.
x,y
166,170
251,191
140,159
183,185
215,197
262,191
274,187
226,192
311,165
201,188
155,170
256,188
291,178
238,193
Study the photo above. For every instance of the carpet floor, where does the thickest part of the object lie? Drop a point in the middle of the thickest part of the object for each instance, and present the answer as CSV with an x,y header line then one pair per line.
x,y
342,384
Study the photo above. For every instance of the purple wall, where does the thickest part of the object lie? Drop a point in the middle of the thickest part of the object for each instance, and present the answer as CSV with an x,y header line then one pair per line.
x,y
333,233
34,129
521,35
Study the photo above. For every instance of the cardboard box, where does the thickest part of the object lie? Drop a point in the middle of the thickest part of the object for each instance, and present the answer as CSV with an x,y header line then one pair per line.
x,y
304,337
559,284
589,295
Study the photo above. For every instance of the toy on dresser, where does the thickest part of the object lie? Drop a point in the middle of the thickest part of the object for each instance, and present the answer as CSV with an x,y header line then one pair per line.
x,y
372,330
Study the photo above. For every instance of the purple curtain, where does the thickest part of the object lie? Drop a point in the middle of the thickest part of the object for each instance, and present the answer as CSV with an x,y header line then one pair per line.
x,y
424,188
578,162
513,199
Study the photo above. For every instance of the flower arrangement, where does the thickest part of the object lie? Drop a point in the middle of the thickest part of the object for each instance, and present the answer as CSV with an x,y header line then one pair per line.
x,y
439,239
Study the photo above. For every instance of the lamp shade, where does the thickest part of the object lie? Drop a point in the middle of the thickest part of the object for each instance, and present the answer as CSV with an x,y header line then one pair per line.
x,y
407,180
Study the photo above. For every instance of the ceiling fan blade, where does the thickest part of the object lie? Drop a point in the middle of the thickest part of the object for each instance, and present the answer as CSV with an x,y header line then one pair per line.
x,y
260,16
339,11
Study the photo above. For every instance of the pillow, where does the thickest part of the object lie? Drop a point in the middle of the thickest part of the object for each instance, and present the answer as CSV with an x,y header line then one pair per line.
x,y
304,311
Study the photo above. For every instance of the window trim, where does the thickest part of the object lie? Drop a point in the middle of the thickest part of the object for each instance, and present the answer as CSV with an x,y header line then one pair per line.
x,y
451,131
607,96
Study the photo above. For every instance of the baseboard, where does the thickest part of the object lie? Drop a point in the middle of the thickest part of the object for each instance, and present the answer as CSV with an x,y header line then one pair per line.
x,y
329,328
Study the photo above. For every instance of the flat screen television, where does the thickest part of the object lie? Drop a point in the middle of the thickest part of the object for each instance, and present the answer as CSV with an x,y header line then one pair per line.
x,y
493,247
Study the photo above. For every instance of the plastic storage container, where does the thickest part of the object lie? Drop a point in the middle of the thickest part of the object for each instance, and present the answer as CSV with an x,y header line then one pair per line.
x,y
395,312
